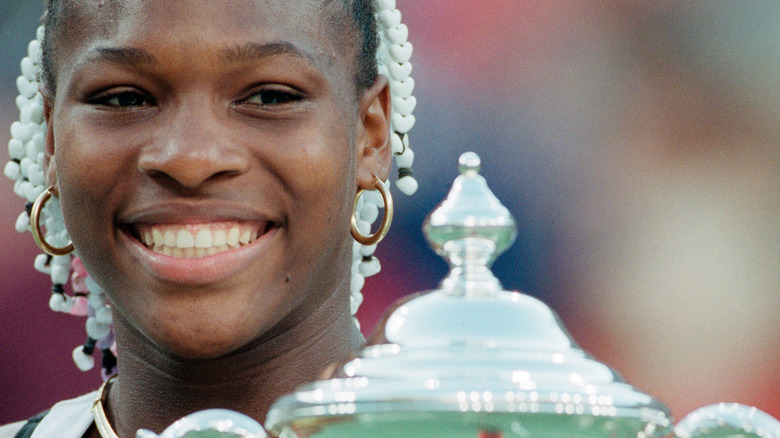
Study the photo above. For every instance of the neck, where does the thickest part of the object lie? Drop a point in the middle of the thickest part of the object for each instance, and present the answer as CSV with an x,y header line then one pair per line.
x,y
154,389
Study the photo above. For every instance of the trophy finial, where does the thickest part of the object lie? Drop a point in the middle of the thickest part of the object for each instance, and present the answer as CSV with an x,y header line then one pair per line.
x,y
470,228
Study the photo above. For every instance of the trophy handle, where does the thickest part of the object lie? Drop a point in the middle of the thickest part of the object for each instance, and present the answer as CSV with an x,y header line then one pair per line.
x,y
211,423
726,420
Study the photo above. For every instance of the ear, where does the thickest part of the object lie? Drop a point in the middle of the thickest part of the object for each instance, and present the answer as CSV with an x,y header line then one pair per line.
x,y
373,141
49,163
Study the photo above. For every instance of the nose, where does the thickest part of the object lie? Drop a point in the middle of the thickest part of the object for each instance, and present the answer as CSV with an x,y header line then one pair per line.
x,y
193,149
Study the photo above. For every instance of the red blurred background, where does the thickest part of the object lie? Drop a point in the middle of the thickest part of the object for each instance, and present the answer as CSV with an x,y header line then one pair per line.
x,y
637,144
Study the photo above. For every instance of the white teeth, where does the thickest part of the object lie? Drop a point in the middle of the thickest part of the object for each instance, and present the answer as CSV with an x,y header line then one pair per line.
x,y
184,239
169,238
245,235
197,240
233,236
220,238
203,239
158,237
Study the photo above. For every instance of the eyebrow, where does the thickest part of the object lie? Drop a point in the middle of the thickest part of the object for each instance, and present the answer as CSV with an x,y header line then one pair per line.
x,y
120,55
254,52
236,54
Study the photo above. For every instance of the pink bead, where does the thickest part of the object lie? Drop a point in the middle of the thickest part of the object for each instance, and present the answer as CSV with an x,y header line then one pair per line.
x,y
80,306
79,277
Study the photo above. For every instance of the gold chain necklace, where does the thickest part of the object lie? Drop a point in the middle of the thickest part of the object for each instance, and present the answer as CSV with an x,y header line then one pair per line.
x,y
101,421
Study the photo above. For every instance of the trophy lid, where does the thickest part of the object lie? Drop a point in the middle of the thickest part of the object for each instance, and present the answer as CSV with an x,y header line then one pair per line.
x,y
470,359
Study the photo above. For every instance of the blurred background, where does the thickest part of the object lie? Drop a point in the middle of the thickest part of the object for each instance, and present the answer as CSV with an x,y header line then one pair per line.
x,y
637,143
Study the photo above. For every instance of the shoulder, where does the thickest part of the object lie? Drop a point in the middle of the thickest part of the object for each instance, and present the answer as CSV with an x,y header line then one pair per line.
x,y
66,419
10,430
22,429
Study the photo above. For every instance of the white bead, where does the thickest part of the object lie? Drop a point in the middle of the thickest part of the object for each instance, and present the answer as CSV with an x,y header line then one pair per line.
x,y
396,144
32,113
36,175
355,266
407,185
406,159
22,132
374,197
400,72
401,53
34,192
61,261
12,170
367,250
29,191
364,227
25,164
40,32
402,89
369,212
397,35
28,69
53,210
18,187
370,268
67,305
354,303
94,290
36,145
61,238
103,315
16,148
22,222
402,124
404,106
34,50
83,362
96,330
22,102
389,18
381,5
97,301
56,302
357,283
41,264
59,274
25,87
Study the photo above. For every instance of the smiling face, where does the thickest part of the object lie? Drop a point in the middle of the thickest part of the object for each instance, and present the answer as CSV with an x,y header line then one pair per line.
x,y
207,155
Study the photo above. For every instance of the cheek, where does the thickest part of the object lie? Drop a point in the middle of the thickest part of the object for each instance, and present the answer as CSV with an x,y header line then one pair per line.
x,y
91,173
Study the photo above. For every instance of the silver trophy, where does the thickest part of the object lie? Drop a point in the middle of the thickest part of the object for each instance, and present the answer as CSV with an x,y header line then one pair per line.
x,y
211,423
473,360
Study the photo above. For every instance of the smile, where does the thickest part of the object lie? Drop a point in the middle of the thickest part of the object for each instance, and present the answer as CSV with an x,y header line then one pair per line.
x,y
190,241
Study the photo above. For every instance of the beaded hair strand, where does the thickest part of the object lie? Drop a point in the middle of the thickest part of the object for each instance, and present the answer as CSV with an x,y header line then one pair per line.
x,y
26,149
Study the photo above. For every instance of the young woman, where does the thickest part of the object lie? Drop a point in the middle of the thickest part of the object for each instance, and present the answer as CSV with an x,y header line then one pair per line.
x,y
207,156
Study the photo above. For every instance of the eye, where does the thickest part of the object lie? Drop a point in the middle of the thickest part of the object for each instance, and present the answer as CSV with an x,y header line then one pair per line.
x,y
273,96
122,99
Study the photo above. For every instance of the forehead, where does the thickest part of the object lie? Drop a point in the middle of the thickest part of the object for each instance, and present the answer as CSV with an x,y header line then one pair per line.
x,y
196,24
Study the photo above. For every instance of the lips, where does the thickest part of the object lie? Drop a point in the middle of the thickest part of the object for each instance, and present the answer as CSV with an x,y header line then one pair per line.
x,y
198,240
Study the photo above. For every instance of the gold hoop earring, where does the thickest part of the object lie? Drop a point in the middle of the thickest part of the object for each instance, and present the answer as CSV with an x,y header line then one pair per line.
x,y
386,219
35,226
